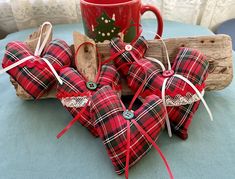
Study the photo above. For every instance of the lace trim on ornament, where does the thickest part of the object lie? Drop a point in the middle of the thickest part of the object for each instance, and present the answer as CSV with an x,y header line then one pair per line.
x,y
75,102
180,100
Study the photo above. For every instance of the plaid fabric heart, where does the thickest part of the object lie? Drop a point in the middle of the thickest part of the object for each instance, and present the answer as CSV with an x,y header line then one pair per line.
x,y
107,112
181,117
34,75
74,93
181,99
137,48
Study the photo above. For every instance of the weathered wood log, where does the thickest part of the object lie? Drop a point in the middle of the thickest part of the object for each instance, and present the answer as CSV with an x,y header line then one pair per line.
x,y
217,48
33,38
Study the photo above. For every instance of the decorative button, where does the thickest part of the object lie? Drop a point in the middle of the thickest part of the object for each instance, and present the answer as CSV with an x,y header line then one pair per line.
x,y
168,73
128,114
91,85
128,47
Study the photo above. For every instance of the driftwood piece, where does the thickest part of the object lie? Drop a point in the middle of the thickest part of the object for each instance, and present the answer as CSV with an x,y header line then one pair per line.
x,y
33,38
20,92
85,60
217,48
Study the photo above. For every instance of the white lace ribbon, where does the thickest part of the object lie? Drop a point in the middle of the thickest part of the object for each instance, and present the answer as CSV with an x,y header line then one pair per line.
x,y
185,80
180,100
38,51
198,93
177,76
75,102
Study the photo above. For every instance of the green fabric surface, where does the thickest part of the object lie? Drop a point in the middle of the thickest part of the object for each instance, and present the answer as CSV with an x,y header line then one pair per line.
x,y
29,148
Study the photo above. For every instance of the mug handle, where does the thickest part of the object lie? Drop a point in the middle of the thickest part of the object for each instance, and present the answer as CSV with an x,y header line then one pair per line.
x,y
158,15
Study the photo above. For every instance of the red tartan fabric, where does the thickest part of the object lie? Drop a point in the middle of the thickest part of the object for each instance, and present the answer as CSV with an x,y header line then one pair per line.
x,y
106,111
75,85
34,75
189,63
181,117
138,49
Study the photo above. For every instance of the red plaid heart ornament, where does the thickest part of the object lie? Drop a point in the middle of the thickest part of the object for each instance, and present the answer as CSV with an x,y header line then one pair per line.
x,y
36,72
34,75
180,86
76,92
122,53
127,137
189,63
181,97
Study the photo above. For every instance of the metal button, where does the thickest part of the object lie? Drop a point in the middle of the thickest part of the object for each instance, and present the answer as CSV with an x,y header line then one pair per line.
x,y
91,85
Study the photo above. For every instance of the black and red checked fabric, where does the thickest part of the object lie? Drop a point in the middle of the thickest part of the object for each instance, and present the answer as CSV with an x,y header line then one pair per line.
x,y
181,118
75,85
107,112
189,63
138,50
34,76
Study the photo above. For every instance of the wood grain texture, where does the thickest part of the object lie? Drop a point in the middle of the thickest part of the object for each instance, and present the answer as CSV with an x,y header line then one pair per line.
x,y
85,60
217,48
21,93
33,38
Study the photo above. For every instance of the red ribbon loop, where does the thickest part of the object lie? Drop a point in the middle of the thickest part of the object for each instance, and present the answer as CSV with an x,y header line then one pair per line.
x,y
72,122
151,141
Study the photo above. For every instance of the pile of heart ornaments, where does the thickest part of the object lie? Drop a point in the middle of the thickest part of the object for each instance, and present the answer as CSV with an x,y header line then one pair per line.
x,y
169,96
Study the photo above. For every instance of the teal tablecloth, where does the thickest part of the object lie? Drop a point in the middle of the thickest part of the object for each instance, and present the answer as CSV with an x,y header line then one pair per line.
x,y
30,150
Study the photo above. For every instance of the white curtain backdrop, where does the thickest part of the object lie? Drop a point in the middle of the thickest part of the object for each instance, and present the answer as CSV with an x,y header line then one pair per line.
x,y
208,13
21,14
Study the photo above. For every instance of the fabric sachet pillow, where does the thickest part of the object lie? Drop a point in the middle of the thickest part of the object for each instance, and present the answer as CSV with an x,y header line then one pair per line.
x,y
180,98
137,49
75,92
34,75
113,124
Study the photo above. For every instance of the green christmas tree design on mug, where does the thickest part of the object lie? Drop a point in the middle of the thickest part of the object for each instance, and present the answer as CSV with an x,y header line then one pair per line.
x,y
105,30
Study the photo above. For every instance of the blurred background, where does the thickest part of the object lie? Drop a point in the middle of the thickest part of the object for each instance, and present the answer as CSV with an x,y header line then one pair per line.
x,y
21,14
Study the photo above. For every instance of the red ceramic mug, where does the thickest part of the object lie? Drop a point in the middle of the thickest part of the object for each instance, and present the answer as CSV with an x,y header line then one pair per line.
x,y
104,19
